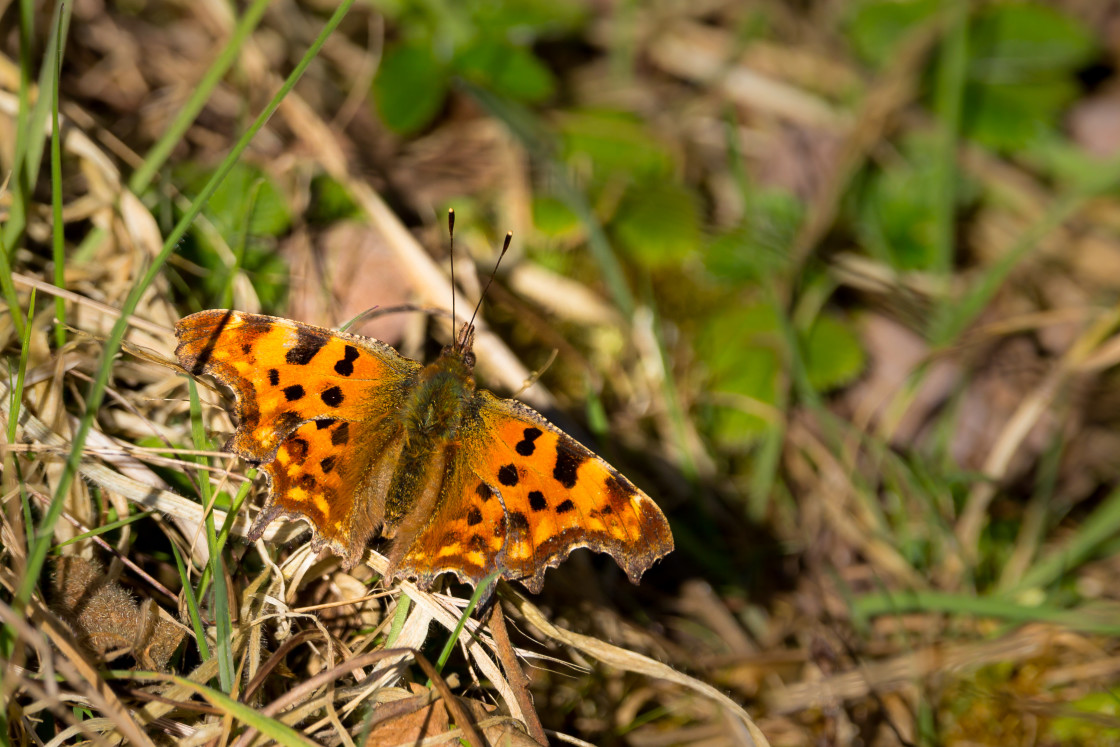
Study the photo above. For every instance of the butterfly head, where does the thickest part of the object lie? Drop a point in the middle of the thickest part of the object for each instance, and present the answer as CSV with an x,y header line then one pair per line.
x,y
458,358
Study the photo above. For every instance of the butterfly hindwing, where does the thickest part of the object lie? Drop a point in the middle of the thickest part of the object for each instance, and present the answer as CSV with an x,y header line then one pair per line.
x,y
285,373
521,495
335,474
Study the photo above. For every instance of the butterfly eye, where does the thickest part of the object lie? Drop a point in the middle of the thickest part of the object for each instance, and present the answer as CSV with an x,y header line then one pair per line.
x,y
468,359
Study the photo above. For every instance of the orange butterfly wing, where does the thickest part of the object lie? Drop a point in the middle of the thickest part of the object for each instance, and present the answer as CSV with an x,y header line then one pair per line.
x,y
309,405
520,495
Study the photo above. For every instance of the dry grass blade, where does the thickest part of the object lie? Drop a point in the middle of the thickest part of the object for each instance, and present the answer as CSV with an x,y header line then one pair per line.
x,y
517,678
633,662
304,689
887,676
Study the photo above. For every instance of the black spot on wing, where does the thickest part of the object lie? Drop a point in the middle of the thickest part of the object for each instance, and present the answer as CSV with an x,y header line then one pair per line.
x,y
293,392
477,543
619,490
507,475
287,422
308,343
569,456
332,397
537,501
565,507
327,465
341,434
297,449
484,491
517,522
474,516
246,348
273,377
526,447
345,367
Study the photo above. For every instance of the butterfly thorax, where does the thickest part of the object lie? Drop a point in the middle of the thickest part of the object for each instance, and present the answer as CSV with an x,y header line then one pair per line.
x,y
430,418
434,409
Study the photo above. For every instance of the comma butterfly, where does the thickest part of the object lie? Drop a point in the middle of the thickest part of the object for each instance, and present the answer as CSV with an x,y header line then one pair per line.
x,y
356,438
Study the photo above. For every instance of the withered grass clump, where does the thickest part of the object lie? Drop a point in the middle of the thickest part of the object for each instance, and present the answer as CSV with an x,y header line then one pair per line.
x,y
107,619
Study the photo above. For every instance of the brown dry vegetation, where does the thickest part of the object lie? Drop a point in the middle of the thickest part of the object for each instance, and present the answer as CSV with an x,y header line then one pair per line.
x,y
918,549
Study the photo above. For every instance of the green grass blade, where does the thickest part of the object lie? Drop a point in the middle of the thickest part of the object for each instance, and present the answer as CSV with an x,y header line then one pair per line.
x,y
484,588
103,529
241,712
950,93
41,540
29,151
192,605
17,213
220,607
58,243
400,615
901,602
227,525
171,137
1099,527
16,392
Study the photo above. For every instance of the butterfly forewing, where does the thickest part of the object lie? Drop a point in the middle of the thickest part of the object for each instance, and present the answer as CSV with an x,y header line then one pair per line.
x,y
285,373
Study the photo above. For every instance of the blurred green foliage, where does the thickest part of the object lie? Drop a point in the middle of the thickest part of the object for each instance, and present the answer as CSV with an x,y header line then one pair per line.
x,y
1023,58
246,205
895,213
330,202
488,43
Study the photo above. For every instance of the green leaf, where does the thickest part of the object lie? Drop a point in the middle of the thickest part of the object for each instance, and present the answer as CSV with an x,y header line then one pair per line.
x,y
896,214
409,88
330,202
875,28
553,217
527,18
833,355
657,224
741,349
1011,116
1092,719
1023,60
613,142
757,249
507,69
234,198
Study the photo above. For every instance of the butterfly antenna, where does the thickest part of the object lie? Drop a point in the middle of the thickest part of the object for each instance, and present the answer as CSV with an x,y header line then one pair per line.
x,y
451,233
505,248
